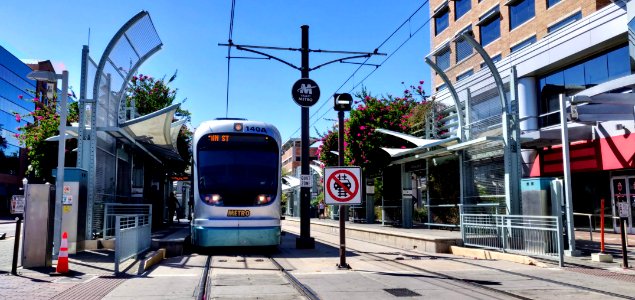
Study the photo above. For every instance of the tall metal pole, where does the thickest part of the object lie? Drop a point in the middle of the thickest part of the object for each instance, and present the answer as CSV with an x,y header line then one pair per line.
x,y
59,180
342,208
305,241
566,168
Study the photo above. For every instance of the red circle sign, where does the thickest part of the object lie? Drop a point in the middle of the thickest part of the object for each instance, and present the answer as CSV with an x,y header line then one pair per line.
x,y
346,193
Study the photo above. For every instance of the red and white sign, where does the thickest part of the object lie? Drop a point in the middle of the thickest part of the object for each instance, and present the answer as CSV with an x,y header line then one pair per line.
x,y
342,185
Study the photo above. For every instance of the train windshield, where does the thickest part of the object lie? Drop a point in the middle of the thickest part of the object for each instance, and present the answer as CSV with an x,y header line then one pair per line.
x,y
237,169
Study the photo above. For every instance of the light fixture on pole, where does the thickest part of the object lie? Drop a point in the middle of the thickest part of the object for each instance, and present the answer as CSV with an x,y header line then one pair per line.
x,y
51,77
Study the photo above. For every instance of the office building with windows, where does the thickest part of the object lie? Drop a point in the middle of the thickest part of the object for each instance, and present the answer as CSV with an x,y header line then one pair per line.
x,y
15,92
557,47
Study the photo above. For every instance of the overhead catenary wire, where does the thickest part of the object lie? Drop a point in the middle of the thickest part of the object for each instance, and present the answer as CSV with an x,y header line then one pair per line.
x,y
411,35
229,50
380,64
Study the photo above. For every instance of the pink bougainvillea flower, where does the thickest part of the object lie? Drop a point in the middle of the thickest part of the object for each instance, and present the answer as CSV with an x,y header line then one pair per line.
x,y
20,97
420,81
362,127
16,135
36,99
17,118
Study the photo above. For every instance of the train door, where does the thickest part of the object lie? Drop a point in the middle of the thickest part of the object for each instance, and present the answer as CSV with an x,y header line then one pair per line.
x,y
623,191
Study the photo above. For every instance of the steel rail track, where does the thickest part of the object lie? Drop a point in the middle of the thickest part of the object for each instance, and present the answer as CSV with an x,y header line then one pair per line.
x,y
485,267
305,291
204,285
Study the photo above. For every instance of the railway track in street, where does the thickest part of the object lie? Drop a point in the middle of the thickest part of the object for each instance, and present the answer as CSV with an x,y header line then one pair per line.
x,y
248,274
465,282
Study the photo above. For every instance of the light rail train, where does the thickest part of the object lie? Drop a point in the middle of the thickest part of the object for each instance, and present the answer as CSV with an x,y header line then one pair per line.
x,y
236,182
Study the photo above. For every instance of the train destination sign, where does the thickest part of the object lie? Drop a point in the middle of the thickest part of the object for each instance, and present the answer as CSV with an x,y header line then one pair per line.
x,y
342,185
305,92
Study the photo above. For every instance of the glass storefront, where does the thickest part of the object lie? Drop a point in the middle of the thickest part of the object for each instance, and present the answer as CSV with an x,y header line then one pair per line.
x,y
582,75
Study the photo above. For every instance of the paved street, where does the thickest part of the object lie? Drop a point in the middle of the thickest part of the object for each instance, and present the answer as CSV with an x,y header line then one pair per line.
x,y
377,272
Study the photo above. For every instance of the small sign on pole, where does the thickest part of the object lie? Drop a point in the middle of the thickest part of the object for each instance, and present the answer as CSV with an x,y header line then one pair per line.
x,y
623,209
17,204
306,180
342,185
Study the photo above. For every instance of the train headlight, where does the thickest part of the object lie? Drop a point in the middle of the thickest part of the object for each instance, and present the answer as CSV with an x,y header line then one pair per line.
x,y
213,199
262,199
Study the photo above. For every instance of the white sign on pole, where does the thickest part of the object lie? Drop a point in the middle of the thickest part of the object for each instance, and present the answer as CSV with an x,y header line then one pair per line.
x,y
17,204
306,181
622,208
342,185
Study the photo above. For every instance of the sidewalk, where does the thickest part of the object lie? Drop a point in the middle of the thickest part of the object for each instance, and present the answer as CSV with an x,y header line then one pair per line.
x,y
91,273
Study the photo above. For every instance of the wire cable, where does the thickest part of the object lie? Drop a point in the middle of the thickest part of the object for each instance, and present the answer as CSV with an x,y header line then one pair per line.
x,y
373,71
229,50
411,35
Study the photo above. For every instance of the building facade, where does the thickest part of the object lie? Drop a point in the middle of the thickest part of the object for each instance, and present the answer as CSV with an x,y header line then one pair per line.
x,y
16,91
557,47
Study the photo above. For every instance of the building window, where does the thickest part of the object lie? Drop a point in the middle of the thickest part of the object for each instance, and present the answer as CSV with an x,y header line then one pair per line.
x,y
551,3
443,58
523,44
461,7
441,17
568,20
490,27
496,58
441,86
520,12
463,48
465,74
580,76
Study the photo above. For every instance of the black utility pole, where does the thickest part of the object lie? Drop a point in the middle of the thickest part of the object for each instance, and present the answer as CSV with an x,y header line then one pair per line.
x,y
305,93
305,241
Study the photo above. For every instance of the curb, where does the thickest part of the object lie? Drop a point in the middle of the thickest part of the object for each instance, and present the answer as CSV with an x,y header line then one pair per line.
x,y
153,259
486,254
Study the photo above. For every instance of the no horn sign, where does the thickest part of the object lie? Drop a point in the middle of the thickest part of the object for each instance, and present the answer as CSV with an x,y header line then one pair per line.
x,y
342,185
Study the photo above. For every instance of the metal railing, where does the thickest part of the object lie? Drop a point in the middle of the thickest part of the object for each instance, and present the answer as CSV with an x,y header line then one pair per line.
x,y
111,210
132,236
529,235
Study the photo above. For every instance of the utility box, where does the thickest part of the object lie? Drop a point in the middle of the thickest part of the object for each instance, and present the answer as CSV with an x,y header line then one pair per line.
x,y
74,208
536,196
37,240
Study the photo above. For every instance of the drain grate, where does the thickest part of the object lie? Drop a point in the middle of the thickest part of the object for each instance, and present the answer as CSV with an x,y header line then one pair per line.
x,y
402,292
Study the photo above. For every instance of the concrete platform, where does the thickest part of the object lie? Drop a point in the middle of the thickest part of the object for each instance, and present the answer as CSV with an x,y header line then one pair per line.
x,y
172,239
426,240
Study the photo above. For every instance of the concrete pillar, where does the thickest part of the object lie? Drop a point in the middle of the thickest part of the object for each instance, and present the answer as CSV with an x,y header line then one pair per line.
x,y
528,108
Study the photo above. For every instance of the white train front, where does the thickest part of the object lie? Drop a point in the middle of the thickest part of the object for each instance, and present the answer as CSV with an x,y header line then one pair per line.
x,y
236,180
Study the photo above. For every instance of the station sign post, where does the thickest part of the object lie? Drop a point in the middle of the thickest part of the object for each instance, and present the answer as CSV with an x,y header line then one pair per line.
x,y
342,187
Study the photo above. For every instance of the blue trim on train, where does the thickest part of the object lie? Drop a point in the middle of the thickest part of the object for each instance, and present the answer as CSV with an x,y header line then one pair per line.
x,y
235,236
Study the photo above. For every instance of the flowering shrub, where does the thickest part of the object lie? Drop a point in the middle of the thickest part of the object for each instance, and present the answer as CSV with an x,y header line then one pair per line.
x,y
149,94
362,143
45,124
362,146
329,143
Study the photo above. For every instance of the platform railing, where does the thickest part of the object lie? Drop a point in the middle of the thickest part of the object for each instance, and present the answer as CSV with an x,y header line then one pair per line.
x,y
528,235
132,236
111,210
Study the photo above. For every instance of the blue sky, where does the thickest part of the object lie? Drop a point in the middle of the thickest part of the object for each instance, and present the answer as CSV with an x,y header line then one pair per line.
x,y
258,89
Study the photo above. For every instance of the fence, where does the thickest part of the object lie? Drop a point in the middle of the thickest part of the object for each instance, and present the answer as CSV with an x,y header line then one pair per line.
x,y
529,235
111,210
133,236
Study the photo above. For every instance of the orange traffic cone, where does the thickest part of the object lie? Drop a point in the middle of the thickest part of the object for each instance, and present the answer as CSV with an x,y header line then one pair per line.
x,y
62,257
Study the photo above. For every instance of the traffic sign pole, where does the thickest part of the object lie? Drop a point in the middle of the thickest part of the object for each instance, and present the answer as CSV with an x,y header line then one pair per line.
x,y
340,141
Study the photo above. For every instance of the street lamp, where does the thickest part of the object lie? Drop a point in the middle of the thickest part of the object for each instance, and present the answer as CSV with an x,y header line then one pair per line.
x,y
51,77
